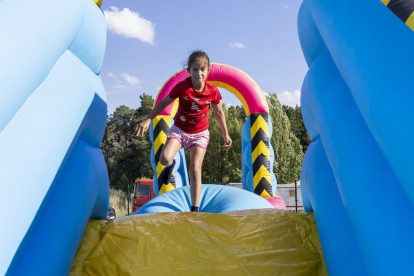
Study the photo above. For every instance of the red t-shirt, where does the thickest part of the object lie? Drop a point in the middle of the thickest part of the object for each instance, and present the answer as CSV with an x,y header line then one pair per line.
x,y
194,107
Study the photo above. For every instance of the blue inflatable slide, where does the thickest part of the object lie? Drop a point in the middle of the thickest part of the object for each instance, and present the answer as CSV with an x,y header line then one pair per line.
x,y
357,98
52,119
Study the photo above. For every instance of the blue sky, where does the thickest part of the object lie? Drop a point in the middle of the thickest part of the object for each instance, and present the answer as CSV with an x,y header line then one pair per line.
x,y
148,41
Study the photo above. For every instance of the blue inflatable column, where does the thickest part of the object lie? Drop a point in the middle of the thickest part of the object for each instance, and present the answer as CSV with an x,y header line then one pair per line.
x,y
158,133
257,163
373,51
53,115
377,207
341,252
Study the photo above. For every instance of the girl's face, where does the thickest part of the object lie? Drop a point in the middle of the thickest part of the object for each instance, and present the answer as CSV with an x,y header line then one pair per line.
x,y
199,70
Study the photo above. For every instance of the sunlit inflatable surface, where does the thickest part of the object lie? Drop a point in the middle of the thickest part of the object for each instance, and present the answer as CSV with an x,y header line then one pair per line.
x,y
357,102
52,119
250,242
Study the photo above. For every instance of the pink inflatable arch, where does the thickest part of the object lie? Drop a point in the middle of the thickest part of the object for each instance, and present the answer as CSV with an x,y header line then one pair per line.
x,y
227,77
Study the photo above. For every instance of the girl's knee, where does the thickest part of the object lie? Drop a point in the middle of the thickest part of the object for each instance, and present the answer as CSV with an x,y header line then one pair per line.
x,y
165,160
195,170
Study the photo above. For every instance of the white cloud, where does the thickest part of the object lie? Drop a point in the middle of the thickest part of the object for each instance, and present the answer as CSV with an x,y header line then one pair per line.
x,y
114,77
125,77
289,98
285,6
124,83
131,80
130,24
237,45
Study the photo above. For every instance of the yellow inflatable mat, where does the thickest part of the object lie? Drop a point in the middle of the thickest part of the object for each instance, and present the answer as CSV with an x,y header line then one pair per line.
x,y
251,242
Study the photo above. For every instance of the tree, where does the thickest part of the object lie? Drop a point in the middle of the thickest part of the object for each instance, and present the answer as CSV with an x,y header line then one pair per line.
x,y
223,165
298,126
235,120
127,156
147,103
216,156
287,148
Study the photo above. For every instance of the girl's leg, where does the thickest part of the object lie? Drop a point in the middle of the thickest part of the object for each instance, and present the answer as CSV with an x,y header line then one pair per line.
x,y
171,147
196,160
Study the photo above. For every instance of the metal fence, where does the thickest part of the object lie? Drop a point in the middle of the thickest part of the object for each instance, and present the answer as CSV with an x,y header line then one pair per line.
x,y
290,193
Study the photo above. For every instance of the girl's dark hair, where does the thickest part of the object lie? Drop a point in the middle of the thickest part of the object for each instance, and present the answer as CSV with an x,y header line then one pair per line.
x,y
196,55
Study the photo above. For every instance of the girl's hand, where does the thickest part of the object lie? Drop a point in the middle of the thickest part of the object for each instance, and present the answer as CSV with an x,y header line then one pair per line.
x,y
142,127
227,141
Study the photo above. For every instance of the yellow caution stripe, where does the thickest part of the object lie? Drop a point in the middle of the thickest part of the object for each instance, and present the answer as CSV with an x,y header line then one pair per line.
x,y
410,21
403,9
259,131
161,125
98,2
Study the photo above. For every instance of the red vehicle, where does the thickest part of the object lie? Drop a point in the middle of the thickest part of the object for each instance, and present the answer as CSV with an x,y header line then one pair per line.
x,y
143,192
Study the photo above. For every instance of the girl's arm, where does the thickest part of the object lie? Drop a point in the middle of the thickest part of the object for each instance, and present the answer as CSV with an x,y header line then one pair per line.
x,y
144,125
221,120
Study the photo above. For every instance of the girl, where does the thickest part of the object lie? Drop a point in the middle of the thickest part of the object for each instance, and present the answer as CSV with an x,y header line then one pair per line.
x,y
190,129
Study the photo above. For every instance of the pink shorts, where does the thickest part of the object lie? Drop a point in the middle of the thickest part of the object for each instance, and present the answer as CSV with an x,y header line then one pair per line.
x,y
187,140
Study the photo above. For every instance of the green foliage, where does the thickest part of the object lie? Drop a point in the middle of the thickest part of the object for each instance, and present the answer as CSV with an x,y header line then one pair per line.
x,y
288,151
297,125
223,165
128,157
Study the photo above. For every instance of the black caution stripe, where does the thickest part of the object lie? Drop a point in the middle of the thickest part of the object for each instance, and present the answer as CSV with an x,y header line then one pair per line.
x,y
160,184
161,126
157,155
263,185
259,130
402,8
261,160
260,136
255,116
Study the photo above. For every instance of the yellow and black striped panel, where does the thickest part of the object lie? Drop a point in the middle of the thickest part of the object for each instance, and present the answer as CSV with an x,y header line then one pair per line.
x,y
403,9
98,2
259,131
161,125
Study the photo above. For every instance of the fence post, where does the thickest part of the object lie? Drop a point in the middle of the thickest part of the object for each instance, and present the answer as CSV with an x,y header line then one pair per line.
x,y
296,197
128,197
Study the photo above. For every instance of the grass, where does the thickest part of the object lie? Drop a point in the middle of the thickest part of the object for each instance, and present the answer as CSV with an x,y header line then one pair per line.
x,y
119,201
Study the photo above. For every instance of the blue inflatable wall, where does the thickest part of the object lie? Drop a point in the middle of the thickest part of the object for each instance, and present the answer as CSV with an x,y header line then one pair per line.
x,y
247,164
52,119
213,199
357,101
